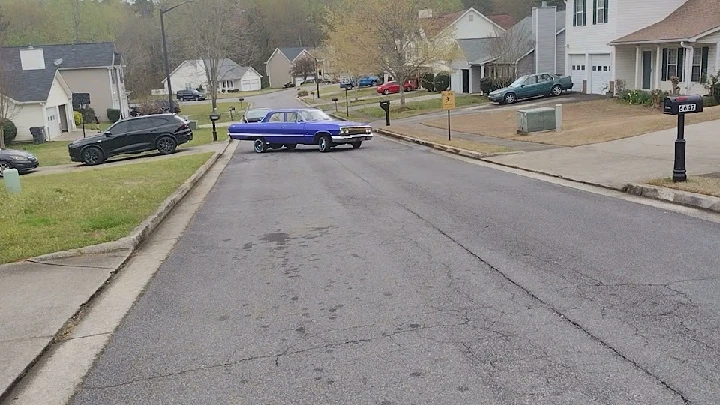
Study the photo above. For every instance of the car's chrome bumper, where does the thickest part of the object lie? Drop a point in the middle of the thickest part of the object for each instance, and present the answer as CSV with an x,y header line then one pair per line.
x,y
351,138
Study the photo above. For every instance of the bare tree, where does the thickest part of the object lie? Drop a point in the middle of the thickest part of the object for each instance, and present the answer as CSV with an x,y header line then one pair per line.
x,y
221,27
508,48
394,43
8,108
304,67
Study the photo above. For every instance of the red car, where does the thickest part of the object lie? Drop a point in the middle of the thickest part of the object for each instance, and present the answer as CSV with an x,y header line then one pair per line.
x,y
394,87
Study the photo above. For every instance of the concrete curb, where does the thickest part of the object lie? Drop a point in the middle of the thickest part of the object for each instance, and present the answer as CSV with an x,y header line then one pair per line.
x,y
450,149
142,231
704,202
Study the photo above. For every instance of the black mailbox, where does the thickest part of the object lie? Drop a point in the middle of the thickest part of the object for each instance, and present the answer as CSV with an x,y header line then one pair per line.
x,y
214,117
241,99
676,105
385,105
335,99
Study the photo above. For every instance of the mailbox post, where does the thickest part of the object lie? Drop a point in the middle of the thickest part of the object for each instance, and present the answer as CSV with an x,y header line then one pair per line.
x,y
385,105
335,100
231,110
681,105
347,103
214,117
241,99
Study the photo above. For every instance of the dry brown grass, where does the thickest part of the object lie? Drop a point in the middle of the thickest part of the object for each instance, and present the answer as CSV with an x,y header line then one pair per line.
x,y
694,184
456,143
583,123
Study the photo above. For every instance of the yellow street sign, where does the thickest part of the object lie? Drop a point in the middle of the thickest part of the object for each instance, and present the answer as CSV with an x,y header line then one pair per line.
x,y
448,100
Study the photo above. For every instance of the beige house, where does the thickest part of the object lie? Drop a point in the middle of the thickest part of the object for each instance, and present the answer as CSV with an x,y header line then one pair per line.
x,y
278,67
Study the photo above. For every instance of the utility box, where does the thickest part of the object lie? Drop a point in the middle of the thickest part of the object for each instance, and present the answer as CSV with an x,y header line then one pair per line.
x,y
193,124
535,120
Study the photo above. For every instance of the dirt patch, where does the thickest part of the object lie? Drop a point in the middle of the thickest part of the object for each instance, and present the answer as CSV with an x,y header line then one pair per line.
x,y
457,143
584,123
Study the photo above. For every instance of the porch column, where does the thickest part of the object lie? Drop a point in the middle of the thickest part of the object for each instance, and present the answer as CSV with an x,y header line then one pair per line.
x,y
717,58
658,68
482,67
470,80
689,54
638,58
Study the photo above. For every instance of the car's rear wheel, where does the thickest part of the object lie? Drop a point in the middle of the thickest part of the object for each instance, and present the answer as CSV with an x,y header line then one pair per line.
x,y
166,145
92,156
510,98
556,90
325,143
357,144
3,166
291,146
259,145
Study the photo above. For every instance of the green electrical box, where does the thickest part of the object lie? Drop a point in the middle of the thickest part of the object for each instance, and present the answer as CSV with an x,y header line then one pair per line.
x,y
193,125
535,120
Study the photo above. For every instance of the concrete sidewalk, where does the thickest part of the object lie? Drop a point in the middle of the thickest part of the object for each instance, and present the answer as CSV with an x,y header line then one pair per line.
x,y
632,160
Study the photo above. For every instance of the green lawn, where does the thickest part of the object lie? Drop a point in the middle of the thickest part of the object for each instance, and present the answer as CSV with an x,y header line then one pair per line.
x,y
201,112
328,94
203,136
413,108
373,100
48,153
71,210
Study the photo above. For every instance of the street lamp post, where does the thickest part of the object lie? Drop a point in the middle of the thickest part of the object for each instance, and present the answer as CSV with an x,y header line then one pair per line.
x,y
165,53
317,78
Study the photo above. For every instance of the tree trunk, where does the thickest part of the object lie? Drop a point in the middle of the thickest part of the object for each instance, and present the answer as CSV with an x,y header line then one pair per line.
x,y
2,135
402,95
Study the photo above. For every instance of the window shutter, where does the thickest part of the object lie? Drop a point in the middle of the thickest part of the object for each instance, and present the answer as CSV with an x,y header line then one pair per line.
x,y
681,63
584,21
664,65
704,66
594,10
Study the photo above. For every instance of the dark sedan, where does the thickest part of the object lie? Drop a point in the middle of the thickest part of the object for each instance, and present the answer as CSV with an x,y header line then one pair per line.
x,y
20,160
255,114
161,132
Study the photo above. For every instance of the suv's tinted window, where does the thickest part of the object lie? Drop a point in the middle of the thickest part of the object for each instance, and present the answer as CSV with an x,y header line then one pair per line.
x,y
119,128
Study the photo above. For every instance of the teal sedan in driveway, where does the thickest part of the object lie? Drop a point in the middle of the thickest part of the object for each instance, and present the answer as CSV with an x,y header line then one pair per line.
x,y
529,86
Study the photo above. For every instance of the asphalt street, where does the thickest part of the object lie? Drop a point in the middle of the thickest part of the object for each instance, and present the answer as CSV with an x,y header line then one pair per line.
x,y
392,274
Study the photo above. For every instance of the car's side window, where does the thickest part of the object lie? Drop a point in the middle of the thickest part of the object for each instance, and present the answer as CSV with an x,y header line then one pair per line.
x,y
277,117
545,78
119,128
136,125
531,80
291,117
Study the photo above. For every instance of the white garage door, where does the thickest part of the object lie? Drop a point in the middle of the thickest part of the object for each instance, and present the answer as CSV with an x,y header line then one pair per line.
x,y
577,71
600,74
53,122
250,85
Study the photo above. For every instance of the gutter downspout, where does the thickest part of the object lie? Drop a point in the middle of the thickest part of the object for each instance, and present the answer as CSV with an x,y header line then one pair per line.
x,y
688,74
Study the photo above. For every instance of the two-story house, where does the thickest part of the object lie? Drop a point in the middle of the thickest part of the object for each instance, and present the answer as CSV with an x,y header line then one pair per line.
x,y
279,66
641,44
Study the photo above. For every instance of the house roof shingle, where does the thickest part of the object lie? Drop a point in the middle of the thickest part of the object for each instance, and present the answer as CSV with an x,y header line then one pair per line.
x,y
229,70
434,26
34,85
704,15
477,50
504,20
292,52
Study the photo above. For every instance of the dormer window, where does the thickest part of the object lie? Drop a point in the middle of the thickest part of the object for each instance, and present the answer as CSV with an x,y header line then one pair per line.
x,y
470,17
579,18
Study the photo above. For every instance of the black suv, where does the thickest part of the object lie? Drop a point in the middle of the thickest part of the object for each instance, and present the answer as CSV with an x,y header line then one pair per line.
x,y
190,95
161,132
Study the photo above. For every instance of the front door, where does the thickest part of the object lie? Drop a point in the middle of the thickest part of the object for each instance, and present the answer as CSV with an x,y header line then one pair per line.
x,y
466,80
647,69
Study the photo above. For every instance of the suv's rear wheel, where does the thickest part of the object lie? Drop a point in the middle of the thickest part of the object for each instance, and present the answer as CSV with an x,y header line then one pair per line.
x,y
92,156
166,145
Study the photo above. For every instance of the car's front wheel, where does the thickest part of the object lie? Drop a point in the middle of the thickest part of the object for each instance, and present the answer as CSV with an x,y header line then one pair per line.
x,y
259,145
556,90
92,156
357,144
3,166
325,143
166,145
510,98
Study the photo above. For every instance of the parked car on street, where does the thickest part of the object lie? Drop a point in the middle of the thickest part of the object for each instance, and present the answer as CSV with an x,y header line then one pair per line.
x,y
307,126
190,95
394,87
369,81
347,84
161,132
20,160
255,115
288,85
529,86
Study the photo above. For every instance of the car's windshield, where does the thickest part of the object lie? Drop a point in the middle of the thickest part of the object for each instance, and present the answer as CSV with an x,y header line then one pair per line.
x,y
256,114
315,115
519,81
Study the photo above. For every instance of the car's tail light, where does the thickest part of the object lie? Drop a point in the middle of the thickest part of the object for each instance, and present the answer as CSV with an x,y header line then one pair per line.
x,y
183,127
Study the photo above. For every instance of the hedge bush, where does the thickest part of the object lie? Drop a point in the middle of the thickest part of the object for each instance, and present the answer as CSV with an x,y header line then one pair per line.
x,y
113,114
637,97
302,93
488,84
428,81
442,82
9,131
78,118
88,115
710,101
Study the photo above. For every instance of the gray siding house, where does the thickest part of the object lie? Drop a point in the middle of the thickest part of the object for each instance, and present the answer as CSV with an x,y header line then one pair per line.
x,y
278,67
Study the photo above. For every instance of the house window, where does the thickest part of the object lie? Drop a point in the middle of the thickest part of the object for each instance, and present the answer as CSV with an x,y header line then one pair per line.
x,y
672,63
601,12
470,17
579,17
696,65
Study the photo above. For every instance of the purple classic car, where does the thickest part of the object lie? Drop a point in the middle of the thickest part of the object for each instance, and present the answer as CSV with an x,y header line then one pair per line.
x,y
300,126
